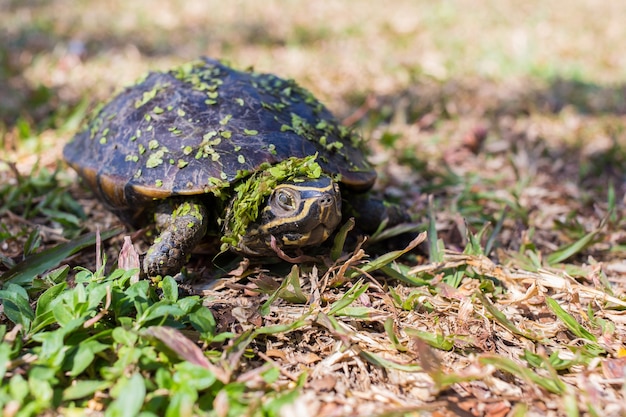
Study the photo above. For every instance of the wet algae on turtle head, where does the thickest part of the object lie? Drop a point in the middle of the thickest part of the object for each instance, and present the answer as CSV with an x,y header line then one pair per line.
x,y
207,147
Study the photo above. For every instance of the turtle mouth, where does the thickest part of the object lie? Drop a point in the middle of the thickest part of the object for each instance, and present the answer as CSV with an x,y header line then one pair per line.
x,y
316,236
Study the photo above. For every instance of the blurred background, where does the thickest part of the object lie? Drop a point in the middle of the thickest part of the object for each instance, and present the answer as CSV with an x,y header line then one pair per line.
x,y
57,55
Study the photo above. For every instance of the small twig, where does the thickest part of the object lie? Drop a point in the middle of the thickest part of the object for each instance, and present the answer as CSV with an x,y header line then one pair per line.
x,y
277,366
282,255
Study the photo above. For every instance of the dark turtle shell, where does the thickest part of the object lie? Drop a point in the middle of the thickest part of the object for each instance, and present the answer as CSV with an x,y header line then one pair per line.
x,y
202,126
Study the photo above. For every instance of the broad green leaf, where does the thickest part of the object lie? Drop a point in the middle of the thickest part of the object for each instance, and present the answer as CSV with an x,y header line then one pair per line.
x,y
40,381
189,304
203,321
52,347
96,294
124,337
16,306
84,355
131,393
62,313
194,376
271,375
170,289
159,310
182,403
18,388
84,388
48,298
5,356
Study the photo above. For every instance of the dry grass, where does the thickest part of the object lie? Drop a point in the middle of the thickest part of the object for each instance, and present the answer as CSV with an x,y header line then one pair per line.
x,y
507,114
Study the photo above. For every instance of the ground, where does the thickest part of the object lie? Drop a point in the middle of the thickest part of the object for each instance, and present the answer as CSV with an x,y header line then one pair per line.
x,y
499,125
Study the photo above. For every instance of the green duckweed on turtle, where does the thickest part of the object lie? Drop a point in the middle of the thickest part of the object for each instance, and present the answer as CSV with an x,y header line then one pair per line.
x,y
204,147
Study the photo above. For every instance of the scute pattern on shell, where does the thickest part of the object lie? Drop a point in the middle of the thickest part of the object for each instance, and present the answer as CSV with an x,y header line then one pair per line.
x,y
202,126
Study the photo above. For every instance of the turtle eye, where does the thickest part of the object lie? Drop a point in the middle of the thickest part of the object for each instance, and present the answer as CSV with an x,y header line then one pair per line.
x,y
285,200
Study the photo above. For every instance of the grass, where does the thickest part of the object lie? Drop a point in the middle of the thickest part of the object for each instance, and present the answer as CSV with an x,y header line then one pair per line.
x,y
500,125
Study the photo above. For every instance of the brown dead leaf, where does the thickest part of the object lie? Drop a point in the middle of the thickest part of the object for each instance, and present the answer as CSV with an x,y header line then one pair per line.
x,y
129,258
323,383
276,353
614,368
185,349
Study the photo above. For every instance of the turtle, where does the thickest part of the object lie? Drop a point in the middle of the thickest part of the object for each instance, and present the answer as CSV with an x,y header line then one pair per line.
x,y
204,148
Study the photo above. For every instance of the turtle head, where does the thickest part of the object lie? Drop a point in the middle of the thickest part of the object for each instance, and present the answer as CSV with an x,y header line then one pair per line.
x,y
297,213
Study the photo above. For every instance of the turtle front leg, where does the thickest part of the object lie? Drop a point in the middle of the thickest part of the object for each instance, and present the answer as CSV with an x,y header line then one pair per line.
x,y
181,226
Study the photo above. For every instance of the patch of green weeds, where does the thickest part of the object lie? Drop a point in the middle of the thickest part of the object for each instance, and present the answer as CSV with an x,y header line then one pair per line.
x,y
42,194
107,339
448,270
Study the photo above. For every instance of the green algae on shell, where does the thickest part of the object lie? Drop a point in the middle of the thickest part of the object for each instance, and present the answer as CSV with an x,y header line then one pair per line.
x,y
250,193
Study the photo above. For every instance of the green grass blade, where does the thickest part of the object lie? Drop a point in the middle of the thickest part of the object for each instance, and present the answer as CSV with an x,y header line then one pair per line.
x,y
348,298
593,348
572,249
390,329
503,320
378,360
340,239
391,232
554,385
27,270
386,259
403,277
435,252
492,240
436,340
